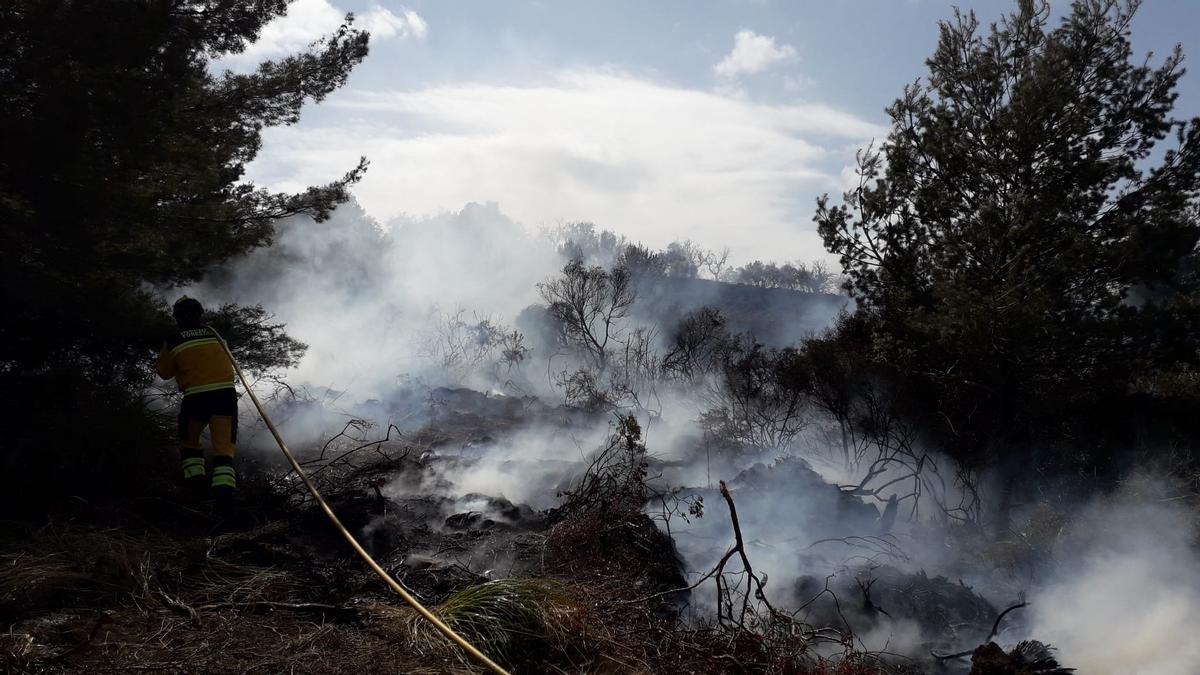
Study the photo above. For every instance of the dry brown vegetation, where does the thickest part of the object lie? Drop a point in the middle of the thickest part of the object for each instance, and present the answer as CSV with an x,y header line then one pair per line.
x,y
151,587
100,600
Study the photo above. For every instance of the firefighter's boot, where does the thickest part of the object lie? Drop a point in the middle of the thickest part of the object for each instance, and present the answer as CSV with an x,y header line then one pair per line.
x,y
224,485
195,478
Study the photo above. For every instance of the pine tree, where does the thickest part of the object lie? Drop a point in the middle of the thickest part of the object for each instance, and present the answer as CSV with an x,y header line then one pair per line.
x,y
123,163
1016,243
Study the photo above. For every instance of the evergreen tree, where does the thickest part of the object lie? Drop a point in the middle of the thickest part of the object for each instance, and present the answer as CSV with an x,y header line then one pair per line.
x,y
1016,244
122,169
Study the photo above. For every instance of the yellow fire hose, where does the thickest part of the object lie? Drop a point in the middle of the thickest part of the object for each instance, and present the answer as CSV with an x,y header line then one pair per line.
x,y
362,553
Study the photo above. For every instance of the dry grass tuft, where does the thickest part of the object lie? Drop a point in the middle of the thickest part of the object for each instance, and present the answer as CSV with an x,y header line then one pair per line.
x,y
519,622
64,565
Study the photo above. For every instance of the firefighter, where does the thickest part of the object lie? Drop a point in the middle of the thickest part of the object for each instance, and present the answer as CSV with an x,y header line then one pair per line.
x,y
194,356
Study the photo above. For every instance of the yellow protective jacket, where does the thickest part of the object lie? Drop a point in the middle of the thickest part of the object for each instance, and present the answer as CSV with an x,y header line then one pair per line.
x,y
197,361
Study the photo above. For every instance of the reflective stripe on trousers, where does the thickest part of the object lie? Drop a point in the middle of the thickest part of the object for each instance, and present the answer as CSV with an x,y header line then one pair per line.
x,y
224,476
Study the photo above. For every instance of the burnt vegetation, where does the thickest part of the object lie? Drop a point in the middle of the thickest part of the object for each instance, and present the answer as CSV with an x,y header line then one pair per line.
x,y
1012,329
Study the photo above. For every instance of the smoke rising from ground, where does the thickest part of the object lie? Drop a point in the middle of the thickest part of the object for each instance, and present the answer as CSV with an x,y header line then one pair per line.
x,y
367,300
1124,596
389,314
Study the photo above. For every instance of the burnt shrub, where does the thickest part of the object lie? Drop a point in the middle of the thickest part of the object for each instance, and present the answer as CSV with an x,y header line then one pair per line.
x,y
600,528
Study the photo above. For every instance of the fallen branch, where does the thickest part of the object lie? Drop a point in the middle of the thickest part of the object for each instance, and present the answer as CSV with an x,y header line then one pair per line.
x,y
344,457
179,606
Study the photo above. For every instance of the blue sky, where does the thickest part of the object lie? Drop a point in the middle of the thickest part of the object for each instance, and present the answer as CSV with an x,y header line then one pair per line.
x,y
718,120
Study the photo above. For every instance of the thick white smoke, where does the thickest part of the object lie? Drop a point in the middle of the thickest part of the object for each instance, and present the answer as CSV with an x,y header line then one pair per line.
x,y
366,299
1124,593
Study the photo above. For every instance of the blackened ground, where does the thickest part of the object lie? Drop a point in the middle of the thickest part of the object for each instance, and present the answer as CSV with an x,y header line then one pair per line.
x,y
948,614
154,584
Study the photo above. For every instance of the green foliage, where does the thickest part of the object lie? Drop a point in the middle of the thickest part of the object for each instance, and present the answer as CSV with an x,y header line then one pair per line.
x,y
520,622
123,171
126,156
257,344
1016,245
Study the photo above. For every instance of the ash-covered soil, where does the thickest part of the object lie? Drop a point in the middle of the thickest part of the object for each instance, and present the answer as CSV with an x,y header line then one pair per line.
x,y
157,584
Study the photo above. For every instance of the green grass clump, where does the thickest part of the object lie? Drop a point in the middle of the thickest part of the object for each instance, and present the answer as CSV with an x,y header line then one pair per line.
x,y
515,621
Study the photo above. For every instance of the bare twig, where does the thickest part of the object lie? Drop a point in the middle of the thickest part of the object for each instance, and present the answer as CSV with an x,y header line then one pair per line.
x,y
995,630
996,626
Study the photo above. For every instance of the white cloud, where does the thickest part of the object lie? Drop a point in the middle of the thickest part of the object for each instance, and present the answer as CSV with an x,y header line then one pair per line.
x,y
308,20
382,23
752,53
798,83
650,161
